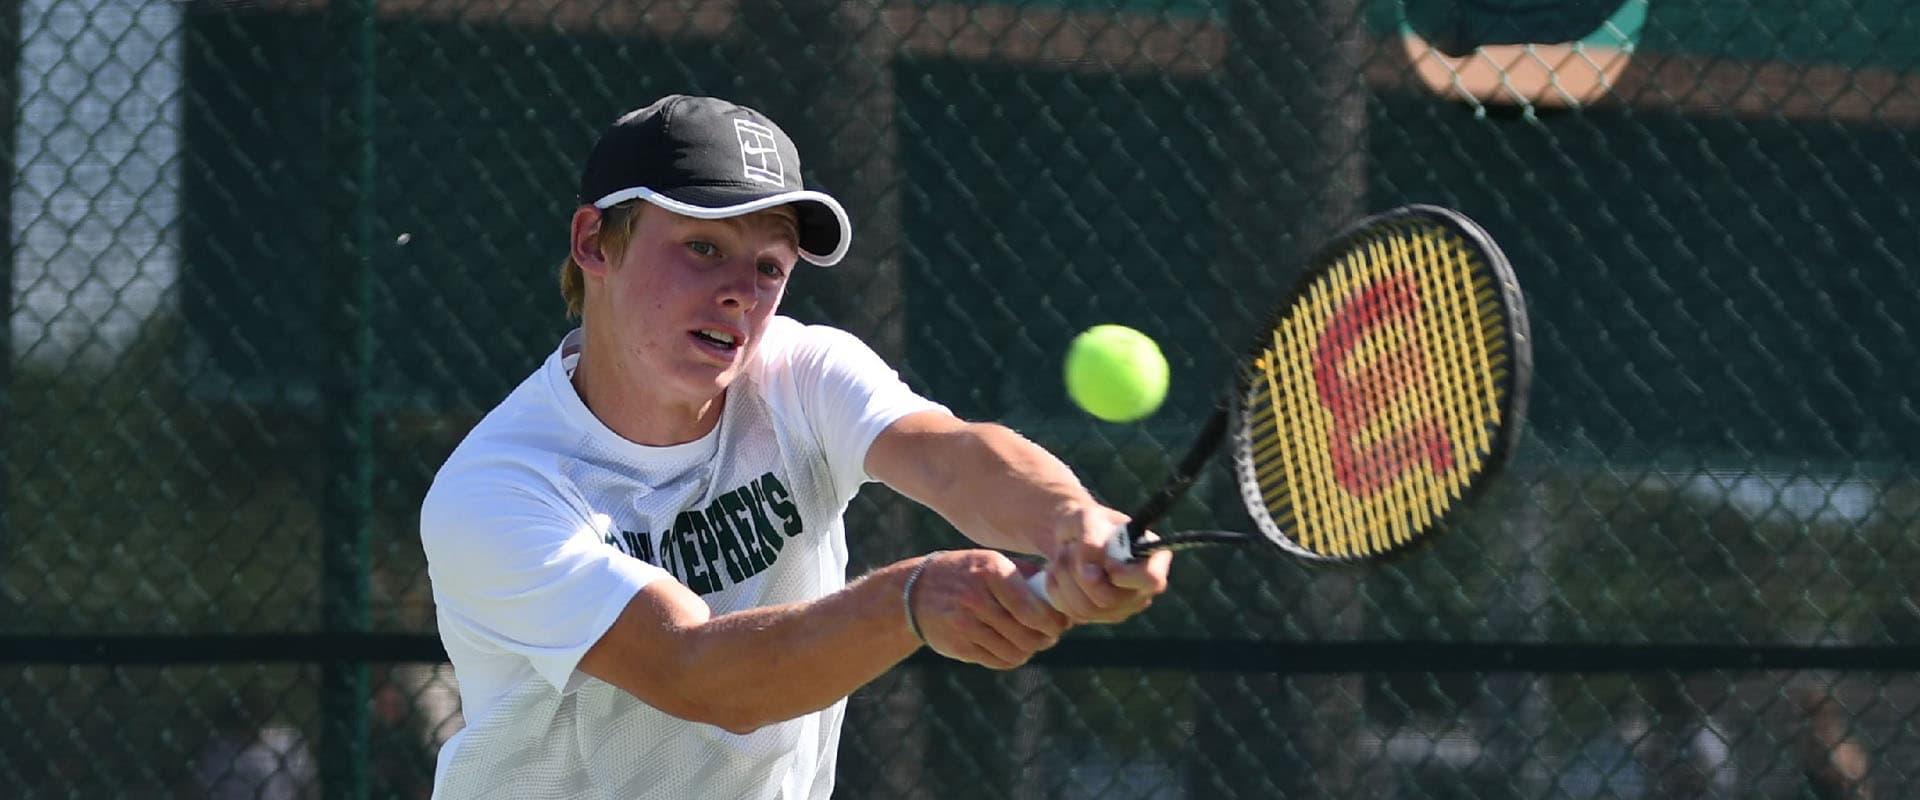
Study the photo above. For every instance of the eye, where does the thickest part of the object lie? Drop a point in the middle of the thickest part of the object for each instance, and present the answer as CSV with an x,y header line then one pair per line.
x,y
704,249
772,269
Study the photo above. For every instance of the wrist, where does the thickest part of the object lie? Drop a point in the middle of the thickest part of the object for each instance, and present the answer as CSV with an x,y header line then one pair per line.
x,y
906,595
1072,520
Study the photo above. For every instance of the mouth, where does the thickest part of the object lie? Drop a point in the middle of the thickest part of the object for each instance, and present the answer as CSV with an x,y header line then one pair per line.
x,y
721,340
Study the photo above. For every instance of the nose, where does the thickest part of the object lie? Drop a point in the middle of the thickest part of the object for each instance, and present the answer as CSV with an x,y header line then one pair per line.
x,y
738,289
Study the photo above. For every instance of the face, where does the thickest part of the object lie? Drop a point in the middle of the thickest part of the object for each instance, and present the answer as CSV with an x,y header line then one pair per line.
x,y
689,299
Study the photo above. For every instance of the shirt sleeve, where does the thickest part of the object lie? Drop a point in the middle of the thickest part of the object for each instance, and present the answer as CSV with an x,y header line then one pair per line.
x,y
524,572
851,395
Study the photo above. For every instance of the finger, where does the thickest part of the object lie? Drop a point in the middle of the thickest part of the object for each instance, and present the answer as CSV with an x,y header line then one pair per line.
x,y
1067,596
1004,653
1015,633
1161,563
1133,603
1123,613
975,654
1029,610
1147,575
1096,585
1034,585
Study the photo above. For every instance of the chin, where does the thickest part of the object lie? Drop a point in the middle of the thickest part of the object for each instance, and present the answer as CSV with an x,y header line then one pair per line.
x,y
711,382
707,379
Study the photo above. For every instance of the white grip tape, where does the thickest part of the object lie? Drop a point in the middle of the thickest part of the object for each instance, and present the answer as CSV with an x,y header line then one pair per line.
x,y
1117,550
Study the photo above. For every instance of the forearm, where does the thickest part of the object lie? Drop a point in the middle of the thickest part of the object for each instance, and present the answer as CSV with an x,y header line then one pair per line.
x,y
751,668
1010,494
1000,488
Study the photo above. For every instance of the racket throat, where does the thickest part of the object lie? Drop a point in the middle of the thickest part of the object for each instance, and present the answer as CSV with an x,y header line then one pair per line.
x,y
1157,506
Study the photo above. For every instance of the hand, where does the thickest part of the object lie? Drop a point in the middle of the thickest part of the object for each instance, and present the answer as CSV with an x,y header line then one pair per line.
x,y
974,606
1089,586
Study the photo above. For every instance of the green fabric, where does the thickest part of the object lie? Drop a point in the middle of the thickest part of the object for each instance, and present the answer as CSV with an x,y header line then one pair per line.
x,y
1456,27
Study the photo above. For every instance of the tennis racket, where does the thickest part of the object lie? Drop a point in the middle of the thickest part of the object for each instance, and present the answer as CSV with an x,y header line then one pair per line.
x,y
1380,397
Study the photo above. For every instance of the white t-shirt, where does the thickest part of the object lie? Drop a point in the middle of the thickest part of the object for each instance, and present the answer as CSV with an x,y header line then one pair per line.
x,y
544,523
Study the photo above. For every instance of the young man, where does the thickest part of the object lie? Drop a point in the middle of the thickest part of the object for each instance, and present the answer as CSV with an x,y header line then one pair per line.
x,y
638,558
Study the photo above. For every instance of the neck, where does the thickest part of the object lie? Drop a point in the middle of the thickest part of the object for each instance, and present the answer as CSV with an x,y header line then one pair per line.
x,y
639,410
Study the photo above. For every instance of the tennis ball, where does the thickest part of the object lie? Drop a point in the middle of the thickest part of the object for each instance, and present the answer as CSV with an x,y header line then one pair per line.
x,y
1116,373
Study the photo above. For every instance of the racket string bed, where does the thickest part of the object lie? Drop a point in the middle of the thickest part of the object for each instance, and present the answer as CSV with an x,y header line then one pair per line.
x,y
1375,403
1452,375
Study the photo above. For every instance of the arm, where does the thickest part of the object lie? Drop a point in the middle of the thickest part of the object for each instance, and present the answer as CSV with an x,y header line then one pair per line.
x,y
522,572
747,669
989,481
744,670
1003,491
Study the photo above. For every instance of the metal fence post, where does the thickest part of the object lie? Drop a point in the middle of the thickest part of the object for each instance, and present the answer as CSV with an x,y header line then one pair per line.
x,y
1299,152
349,403
827,77
9,103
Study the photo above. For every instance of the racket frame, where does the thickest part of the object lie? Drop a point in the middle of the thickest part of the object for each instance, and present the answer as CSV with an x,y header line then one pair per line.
x,y
1518,339
1229,417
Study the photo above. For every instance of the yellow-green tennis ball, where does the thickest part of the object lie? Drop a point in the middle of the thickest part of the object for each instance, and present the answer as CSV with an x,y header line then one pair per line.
x,y
1116,373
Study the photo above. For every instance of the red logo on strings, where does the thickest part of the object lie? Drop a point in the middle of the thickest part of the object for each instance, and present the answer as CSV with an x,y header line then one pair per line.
x,y
1355,401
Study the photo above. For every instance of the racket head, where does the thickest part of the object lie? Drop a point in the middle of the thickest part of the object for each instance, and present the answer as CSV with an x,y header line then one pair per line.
x,y
1385,390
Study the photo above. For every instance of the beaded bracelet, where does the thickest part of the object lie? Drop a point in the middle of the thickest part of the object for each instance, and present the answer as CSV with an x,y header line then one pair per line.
x,y
906,594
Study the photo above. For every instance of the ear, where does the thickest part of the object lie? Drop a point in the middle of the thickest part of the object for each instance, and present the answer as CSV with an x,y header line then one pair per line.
x,y
585,241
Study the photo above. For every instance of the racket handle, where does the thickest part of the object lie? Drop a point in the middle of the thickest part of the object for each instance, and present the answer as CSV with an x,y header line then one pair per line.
x,y
1119,548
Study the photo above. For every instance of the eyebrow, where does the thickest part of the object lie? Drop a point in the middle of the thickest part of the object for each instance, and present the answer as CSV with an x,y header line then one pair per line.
x,y
788,224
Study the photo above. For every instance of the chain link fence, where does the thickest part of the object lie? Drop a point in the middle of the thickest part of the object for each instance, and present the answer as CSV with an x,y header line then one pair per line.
x,y
271,259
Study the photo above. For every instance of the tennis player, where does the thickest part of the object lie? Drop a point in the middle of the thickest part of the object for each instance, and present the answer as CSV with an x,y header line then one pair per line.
x,y
639,558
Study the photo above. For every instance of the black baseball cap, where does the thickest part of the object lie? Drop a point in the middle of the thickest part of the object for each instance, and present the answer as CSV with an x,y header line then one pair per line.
x,y
710,159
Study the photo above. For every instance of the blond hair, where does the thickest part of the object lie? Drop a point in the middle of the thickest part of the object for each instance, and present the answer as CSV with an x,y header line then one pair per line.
x,y
617,225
